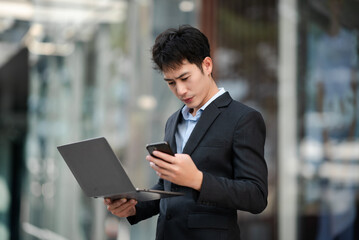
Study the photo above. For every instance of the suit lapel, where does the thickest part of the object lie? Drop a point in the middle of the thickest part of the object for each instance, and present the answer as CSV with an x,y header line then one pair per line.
x,y
172,128
208,116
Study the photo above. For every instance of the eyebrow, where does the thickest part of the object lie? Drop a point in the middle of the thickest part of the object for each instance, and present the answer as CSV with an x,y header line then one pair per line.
x,y
180,76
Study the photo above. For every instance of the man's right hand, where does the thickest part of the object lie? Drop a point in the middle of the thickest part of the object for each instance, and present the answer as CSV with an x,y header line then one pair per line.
x,y
121,207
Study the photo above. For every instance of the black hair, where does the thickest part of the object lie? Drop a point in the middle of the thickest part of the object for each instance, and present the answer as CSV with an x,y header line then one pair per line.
x,y
173,46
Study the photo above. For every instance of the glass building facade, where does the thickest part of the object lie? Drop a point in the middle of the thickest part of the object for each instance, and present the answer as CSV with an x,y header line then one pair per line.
x,y
328,120
71,70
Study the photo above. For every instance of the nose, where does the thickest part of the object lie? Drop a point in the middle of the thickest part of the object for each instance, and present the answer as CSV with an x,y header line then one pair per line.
x,y
181,89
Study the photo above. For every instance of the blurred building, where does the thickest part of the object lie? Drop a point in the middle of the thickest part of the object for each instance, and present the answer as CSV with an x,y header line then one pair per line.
x,y
71,70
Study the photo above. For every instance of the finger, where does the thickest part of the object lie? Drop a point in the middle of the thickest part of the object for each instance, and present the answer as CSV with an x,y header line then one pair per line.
x,y
124,208
107,201
161,163
126,205
116,203
163,173
164,156
121,205
165,177
119,202
130,204
126,212
160,167
152,159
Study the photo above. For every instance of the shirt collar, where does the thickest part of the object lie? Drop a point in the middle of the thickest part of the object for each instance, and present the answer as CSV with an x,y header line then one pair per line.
x,y
186,111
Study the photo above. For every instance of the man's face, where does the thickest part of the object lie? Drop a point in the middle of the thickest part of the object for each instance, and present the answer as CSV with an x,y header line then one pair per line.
x,y
191,85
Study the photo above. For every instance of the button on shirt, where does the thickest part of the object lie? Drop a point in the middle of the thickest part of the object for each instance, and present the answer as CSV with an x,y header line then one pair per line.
x,y
185,128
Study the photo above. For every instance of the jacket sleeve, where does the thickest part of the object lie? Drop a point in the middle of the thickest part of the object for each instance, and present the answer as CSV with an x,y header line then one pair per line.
x,y
147,209
248,190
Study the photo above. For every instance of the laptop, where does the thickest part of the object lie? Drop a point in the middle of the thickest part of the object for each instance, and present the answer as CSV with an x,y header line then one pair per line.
x,y
100,174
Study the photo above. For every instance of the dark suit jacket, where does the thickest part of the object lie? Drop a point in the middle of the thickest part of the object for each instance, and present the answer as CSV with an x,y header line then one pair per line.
x,y
227,145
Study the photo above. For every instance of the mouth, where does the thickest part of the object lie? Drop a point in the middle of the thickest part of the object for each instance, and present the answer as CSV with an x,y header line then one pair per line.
x,y
187,100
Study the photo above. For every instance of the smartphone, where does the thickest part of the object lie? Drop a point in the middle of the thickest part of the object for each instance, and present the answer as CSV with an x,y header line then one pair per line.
x,y
160,146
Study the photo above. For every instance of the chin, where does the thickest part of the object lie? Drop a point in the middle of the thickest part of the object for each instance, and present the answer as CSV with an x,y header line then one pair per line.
x,y
191,105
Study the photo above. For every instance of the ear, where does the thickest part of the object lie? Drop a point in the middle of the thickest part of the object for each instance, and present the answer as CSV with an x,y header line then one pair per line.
x,y
207,66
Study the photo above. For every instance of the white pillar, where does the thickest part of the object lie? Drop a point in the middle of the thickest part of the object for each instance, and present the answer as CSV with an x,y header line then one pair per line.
x,y
287,145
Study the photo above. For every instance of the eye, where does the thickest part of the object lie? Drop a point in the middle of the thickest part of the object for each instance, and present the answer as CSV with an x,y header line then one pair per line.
x,y
184,79
171,83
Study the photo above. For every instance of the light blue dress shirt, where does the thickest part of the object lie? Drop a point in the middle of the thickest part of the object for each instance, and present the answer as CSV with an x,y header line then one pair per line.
x,y
185,128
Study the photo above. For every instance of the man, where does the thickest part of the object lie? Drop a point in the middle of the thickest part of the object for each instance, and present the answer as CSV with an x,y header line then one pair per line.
x,y
219,164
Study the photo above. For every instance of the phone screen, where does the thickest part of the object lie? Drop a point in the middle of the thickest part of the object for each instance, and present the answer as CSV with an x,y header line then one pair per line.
x,y
160,146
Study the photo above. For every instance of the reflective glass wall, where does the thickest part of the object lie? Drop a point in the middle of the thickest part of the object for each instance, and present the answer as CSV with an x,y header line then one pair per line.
x,y
328,130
